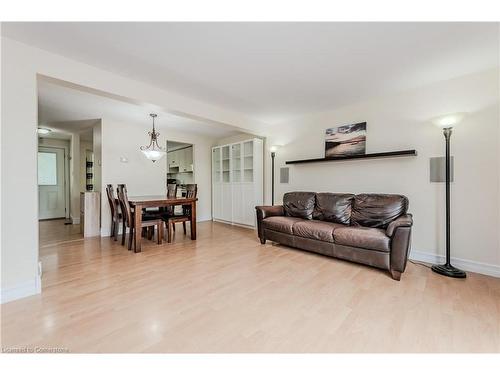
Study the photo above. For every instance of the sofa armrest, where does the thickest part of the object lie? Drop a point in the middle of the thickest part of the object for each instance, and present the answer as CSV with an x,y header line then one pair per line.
x,y
268,211
262,213
402,221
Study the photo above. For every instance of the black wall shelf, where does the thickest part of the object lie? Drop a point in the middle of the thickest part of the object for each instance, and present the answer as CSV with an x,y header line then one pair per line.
x,y
390,154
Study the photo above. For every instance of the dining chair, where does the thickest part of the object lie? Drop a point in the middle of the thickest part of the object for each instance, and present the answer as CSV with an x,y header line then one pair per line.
x,y
191,192
171,190
129,218
169,210
171,193
116,216
161,211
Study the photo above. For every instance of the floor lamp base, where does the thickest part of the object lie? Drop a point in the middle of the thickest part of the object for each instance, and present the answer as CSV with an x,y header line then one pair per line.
x,y
449,270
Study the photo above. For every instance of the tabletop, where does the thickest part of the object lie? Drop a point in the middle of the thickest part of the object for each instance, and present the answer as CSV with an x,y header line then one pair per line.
x,y
159,199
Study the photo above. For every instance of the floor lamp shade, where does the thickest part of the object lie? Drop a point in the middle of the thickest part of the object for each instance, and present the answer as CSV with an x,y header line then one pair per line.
x,y
448,121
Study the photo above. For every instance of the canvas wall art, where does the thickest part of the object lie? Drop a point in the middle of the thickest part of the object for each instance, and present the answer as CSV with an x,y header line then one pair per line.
x,y
345,140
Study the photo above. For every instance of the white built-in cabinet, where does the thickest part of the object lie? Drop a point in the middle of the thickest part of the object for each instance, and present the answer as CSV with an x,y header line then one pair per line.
x,y
237,181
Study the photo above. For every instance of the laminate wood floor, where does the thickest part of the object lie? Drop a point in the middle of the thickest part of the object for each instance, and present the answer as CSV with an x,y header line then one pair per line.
x,y
226,292
53,232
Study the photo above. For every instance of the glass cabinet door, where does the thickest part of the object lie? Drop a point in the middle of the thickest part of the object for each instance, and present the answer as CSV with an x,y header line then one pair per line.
x,y
216,164
225,164
248,161
236,162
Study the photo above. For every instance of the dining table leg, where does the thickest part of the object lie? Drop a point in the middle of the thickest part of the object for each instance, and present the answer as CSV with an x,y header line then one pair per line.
x,y
138,225
193,220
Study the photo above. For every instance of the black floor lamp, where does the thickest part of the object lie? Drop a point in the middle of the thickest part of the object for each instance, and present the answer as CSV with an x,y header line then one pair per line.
x,y
273,155
447,123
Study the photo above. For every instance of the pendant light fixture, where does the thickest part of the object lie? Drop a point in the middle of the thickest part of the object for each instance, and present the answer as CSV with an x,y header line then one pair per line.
x,y
153,151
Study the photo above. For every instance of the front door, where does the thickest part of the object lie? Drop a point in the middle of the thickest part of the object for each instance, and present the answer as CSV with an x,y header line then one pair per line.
x,y
51,189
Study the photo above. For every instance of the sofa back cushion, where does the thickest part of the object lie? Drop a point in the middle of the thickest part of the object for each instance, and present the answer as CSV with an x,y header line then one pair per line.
x,y
299,204
377,210
333,207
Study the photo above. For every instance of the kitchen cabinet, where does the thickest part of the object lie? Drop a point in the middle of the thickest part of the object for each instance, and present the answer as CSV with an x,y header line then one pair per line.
x,y
180,160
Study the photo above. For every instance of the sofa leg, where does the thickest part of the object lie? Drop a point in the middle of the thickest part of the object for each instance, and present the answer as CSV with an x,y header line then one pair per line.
x,y
262,240
396,275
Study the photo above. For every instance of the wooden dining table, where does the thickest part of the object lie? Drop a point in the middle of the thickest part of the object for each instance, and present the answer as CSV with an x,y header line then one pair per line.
x,y
145,201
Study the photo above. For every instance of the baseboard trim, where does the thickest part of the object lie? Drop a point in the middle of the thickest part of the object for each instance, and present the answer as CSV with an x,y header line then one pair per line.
x,y
21,290
465,264
234,224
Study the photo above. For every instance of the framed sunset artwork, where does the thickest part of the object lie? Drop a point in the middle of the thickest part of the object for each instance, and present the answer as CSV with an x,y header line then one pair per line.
x,y
345,140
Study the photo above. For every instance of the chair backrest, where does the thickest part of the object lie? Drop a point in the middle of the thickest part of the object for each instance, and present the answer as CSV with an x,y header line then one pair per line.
x,y
171,193
171,190
124,203
111,199
191,192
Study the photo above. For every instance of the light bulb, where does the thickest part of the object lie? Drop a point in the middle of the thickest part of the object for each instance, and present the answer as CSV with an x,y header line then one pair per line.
x,y
43,131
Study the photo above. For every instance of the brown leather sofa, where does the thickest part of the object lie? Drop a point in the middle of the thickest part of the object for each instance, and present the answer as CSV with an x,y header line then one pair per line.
x,y
372,229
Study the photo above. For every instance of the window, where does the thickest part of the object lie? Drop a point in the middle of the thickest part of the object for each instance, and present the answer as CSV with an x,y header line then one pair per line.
x,y
47,168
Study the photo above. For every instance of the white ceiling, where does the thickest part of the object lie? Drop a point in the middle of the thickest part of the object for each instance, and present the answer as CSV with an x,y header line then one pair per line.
x,y
69,109
64,129
274,71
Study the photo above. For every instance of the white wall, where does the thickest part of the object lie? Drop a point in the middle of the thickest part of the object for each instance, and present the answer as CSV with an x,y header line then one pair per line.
x,y
20,65
54,142
402,122
142,176
235,138
19,180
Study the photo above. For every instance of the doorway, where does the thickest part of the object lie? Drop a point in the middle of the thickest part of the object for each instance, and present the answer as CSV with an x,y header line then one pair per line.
x,y
180,167
52,194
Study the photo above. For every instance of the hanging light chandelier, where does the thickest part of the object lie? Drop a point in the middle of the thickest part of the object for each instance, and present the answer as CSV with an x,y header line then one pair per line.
x,y
153,151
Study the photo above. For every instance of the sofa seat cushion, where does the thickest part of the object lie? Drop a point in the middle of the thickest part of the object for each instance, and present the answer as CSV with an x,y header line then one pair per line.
x,y
366,238
316,230
282,224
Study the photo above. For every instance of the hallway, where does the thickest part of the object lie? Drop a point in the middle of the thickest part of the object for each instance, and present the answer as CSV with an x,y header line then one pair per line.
x,y
54,232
